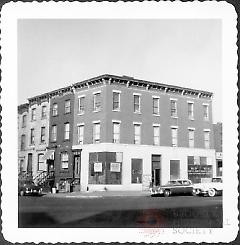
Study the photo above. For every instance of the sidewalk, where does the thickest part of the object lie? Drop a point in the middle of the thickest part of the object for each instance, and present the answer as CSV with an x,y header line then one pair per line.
x,y
98,194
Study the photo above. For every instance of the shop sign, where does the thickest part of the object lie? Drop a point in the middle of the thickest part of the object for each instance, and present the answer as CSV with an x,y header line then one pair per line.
x,y
199,169
115,167
97,167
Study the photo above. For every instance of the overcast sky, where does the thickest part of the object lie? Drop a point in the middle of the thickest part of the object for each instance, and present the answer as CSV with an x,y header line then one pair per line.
x,y
57,53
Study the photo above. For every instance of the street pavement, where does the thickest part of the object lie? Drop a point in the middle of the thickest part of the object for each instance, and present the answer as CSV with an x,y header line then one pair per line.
x,y
119,210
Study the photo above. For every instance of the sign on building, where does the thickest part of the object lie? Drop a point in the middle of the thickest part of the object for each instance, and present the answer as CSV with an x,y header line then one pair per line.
x,y
115,167
97,167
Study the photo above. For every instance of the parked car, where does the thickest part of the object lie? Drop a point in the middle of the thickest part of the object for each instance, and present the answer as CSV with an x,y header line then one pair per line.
x,y
212,188
28,187
173,187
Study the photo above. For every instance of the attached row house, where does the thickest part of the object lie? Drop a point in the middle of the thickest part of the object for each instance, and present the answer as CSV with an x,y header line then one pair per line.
x,y
120,133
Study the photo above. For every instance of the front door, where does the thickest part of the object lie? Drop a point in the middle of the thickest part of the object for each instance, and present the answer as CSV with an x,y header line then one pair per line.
x,y
77,167
157,176
50,165
29,164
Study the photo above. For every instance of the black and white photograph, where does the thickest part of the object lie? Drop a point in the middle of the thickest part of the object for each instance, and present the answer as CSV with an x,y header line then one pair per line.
x,y
119,122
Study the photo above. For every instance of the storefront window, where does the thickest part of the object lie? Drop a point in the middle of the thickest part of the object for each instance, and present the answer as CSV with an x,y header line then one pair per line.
x,y
105,168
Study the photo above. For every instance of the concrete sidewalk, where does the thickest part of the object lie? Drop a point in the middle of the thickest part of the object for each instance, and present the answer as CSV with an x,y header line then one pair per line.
x,y
98,194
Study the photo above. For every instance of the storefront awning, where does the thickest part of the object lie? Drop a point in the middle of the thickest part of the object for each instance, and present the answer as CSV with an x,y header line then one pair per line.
x,y
48,155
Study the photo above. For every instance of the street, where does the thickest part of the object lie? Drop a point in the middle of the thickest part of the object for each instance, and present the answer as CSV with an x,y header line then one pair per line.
x,y
120,212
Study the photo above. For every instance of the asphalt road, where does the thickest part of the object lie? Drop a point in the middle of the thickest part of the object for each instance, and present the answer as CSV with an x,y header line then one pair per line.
x,y
121,212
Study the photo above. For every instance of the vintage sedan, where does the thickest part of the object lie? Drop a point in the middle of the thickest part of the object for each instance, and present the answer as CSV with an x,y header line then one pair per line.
x,y
28,187
211,189
173,187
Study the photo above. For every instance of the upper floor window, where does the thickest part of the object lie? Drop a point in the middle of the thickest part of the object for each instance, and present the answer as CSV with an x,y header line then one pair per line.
x,y
81,106
136,103
137,133
156,134
66,131
156,106
33,117
191,137
54,133
116,132
97,101
23,142
174,136
173,108
206,112
55,109
44,112
116,101
190,110
96,132
32,137
207,139
41,164
80,133
64,160
24,121
43,135
67,106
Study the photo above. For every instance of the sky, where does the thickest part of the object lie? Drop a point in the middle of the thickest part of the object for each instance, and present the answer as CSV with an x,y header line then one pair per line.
x,y
56,53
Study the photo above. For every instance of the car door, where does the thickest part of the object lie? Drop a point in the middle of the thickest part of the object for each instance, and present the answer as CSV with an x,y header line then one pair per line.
x,y
187,187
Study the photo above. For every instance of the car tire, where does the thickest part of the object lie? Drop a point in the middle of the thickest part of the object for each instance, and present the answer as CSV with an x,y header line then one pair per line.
x,y
21,193
166,193
211,192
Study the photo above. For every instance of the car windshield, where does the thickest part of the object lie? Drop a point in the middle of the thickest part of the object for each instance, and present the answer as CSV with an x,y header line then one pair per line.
x,y
217,180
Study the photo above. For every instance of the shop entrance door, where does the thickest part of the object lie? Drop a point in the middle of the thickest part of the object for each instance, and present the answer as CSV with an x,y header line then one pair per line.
x,y
156,170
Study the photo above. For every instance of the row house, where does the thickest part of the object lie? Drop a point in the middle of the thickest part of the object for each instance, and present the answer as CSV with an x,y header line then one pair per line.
x,y
217,132
120,133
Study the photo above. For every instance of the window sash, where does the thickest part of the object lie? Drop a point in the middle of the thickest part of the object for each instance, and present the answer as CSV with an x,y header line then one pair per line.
x,y
116,101
173,108
81,101
136,103
190,111
66,131
156,135
80,130
40,162
174,137
54,133
32,137
96,132
97,102
67,106
55,110
34,114
206,112
23,142
24,121
156,106
64,160
207,139
44,112
43,133
137,134
191,138
116,132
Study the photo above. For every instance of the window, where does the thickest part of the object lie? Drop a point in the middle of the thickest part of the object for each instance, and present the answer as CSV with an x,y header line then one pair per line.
x,y
116,101
96,132
156,134
54,133
206,112
136,171
23,142
44,112
97,102
173,108
116,132
207,139
190,110
66,131
136,103
137,134
43,134
174,136
55,109
64,160
67,106
32,136
33,118
191,137
81,102
41,164
80,133
24,121
156,108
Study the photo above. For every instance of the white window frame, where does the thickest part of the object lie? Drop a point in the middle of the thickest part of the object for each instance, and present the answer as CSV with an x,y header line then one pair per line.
x,y
55,109
65,161
205,105
79,104
119,100
96,137
44,113
33,115
191,140
40,162
158,109
67,131
54,133
174,139
80,137
116,139
156,136
67,107
137,137
190,116
139,105
171,109
206,141
32,136
43,135
96,108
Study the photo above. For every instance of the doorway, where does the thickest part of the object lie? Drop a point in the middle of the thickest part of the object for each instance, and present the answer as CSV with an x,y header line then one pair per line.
x,y
29,164
174,169
156,170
